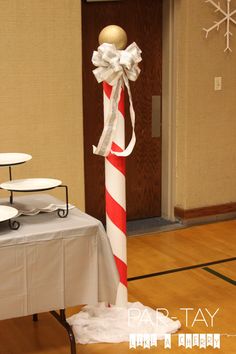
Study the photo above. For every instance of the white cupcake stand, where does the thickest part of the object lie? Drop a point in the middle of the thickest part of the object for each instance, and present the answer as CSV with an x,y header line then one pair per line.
x,y
25,185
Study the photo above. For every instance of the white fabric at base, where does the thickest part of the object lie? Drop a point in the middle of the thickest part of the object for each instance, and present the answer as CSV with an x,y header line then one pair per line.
x,y
97,324
51,263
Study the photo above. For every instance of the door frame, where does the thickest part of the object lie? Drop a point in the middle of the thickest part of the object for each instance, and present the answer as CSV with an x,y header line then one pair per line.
x,y
168,177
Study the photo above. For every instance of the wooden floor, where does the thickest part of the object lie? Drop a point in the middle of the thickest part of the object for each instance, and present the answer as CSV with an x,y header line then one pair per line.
x,y
205,286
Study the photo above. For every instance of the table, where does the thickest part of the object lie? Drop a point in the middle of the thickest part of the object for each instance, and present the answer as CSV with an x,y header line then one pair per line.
x,y
51,263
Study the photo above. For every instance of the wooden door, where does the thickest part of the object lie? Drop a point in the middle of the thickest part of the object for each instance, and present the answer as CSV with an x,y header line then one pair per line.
x,y
142,20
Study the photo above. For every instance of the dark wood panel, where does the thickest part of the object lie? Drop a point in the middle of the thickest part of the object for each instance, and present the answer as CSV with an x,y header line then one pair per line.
x,y
142,22
212,210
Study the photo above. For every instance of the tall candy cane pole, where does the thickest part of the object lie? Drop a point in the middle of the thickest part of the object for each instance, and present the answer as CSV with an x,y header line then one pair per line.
x,y
115,67
116,195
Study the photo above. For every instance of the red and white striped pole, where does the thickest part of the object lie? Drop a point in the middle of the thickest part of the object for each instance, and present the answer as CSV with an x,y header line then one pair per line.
x,y
115,67
116,195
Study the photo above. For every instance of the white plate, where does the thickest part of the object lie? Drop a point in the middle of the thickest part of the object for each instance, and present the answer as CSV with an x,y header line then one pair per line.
x,y
30,184
7,213
13,158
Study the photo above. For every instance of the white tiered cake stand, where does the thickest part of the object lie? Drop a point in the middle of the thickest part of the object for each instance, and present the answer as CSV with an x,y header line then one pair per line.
x,y
10,159
7,213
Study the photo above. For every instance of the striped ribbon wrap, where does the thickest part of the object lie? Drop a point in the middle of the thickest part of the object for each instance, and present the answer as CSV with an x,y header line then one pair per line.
x,y
116,67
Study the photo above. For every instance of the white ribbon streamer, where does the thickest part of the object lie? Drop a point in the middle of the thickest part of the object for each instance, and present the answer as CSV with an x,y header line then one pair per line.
x,y
116,67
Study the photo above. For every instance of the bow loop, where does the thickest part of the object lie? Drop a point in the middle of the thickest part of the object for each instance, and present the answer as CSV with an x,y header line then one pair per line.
x,y
116,67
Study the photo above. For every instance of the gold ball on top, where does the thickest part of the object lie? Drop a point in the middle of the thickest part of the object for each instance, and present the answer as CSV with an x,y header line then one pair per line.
x,y
114,35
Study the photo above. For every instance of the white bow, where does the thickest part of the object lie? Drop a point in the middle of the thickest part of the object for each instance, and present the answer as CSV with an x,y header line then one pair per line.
x,y
116,67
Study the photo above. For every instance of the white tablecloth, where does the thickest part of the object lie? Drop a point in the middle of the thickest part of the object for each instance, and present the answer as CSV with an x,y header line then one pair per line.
x,y
52,263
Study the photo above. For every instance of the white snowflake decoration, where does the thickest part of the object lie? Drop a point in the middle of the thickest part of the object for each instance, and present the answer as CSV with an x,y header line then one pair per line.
x,y
228,18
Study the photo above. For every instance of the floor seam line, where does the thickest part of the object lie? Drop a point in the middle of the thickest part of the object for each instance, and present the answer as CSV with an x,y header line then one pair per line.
x,y
175,270
220,275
